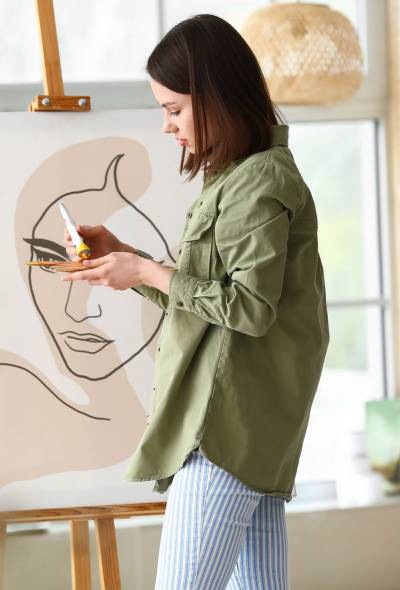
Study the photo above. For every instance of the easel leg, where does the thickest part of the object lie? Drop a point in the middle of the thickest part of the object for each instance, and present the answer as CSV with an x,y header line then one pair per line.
x,y
80,555
3,529
107,554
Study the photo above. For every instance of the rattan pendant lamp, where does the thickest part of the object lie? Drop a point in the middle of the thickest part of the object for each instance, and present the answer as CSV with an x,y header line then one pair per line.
x,y
309,53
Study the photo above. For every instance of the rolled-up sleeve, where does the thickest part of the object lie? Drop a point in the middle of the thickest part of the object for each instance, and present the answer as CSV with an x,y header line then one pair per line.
x,y
151,293
154,295
251,234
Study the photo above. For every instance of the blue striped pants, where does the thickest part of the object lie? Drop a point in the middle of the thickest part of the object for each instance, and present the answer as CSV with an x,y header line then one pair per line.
x,y
219,534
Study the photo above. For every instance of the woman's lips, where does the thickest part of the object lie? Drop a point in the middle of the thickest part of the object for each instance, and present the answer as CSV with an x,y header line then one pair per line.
x,y
88,342
183,141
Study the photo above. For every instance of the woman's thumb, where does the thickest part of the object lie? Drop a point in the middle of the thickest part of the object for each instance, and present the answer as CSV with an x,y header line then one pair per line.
x,y
88,230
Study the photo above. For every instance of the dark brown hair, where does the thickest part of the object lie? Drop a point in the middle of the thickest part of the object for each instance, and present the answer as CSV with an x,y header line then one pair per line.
x,y
206,57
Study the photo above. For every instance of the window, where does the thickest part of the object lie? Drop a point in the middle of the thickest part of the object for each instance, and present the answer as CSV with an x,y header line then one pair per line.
x,y
339,162
101,40
98,39
237,12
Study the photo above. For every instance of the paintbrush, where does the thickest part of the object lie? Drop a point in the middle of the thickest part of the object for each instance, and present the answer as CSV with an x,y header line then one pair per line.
x,y
59,265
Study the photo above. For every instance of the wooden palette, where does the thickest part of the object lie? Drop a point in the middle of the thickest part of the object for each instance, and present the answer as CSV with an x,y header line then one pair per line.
x,y
59,266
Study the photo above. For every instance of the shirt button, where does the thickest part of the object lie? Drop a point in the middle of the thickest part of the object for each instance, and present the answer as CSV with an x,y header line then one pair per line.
x,y
180,303
201,202
158,349
189,214
180,250
154,388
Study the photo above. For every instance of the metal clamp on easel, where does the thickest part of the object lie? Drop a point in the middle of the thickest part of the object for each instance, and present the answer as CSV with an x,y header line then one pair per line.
x,y
53,98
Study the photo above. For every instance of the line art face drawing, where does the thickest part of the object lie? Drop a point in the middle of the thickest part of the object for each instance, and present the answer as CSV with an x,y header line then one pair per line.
x,y
101,342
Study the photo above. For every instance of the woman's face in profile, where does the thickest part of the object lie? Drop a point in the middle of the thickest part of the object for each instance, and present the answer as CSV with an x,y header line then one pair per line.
x,y
178,114
95,329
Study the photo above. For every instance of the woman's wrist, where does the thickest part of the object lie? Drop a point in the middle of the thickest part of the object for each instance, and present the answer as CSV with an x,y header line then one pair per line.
x,y
152,273
155,275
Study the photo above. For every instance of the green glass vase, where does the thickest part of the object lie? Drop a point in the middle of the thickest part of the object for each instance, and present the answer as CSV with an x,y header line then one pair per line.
x,y
382,439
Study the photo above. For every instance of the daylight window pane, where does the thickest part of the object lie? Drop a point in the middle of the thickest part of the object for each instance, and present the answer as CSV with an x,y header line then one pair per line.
x,y
102,40
237,12
19,42
352,375
98,39
233,12
337,161
109,40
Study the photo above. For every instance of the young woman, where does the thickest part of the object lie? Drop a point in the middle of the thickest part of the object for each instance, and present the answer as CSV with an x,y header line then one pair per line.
x,y
245,330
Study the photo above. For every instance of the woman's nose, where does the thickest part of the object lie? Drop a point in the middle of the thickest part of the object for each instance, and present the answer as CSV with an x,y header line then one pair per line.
x,y
78,305
169,127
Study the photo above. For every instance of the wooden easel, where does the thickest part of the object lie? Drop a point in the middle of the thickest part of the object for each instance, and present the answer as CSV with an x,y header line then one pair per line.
x,y
78,518
54,99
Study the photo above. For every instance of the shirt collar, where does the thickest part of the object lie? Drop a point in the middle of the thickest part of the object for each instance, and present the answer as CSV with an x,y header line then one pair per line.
x,y
280,135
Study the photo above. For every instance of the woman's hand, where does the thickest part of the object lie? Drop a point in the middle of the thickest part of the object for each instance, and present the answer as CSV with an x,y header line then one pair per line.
x,y
113,263
100,240
117,270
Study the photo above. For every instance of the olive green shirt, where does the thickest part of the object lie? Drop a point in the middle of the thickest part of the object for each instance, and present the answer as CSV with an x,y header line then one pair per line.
x,y
245,330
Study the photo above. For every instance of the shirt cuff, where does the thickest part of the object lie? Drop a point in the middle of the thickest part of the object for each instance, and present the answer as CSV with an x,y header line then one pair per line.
x,y
181,289
146,291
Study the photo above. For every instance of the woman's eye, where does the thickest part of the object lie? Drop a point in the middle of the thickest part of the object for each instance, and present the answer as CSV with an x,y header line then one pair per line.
x,y
41,255
175,113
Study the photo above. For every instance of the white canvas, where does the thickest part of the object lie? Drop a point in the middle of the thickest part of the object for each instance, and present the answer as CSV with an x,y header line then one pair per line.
x,y
76,362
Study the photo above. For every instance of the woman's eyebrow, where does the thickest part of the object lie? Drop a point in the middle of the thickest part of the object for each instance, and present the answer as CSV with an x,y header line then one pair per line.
x,y
165,104
38,242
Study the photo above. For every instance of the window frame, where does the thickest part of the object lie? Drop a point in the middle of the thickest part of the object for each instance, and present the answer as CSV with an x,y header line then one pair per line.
x,y
369,101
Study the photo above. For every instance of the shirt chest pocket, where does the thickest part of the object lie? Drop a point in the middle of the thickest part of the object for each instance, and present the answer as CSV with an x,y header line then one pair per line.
x,y
197,245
